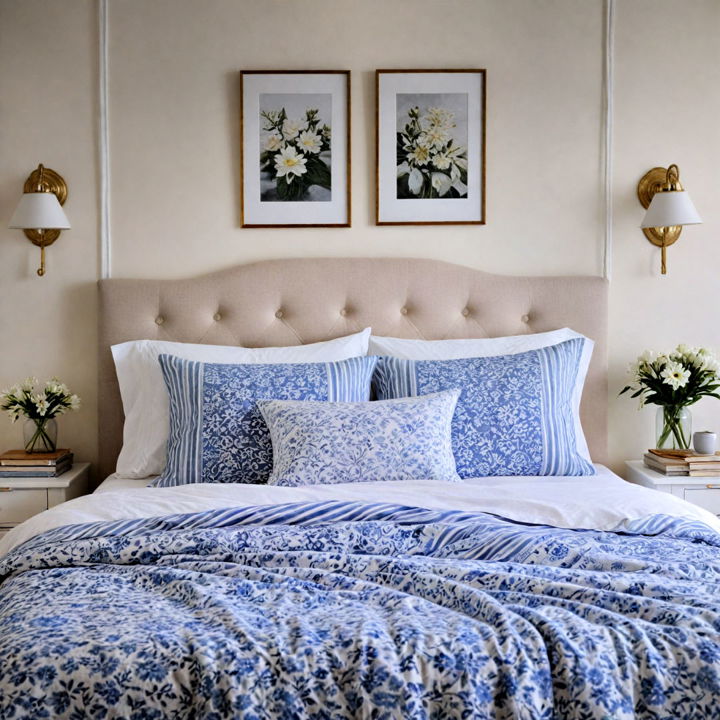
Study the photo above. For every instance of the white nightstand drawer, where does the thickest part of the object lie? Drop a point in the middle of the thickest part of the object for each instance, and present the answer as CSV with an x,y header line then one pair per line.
x,y
18,505
701,491
709,498
23,497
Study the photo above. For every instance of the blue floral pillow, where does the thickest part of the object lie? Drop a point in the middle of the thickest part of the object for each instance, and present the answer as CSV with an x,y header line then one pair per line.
x,y
320,443
516,415
217,433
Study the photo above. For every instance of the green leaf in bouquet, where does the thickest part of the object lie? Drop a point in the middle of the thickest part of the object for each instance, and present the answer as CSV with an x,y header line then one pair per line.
x,y
401,187
290,191
400,146
267,162
318,173
403,191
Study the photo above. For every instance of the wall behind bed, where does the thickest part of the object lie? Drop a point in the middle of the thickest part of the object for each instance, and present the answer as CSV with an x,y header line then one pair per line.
x,y
174,104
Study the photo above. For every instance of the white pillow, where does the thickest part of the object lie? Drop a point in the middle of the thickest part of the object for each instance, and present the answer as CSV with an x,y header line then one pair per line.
x,y
145,398
466,347
490,347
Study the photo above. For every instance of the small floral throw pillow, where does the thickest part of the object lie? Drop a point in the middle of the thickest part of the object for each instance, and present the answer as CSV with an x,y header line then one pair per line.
x,y
321,443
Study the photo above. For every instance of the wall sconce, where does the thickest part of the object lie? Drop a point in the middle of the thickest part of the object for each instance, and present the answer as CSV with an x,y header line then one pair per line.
x,y
669,207
39,212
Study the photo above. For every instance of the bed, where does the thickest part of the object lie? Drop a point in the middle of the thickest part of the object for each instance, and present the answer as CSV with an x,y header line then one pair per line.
x,y
523,596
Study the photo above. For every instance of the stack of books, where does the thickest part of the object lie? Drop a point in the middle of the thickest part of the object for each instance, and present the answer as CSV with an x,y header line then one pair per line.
x,y
683,462
18,463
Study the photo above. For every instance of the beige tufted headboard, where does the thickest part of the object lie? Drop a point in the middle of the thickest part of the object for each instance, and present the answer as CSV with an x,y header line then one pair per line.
x,y
289,302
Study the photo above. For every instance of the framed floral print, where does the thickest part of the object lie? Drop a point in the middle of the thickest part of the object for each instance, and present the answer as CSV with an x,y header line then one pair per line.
x,y
295,147
430,144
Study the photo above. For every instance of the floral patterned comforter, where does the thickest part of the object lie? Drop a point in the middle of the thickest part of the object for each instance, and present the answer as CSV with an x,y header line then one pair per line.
x,y
345,609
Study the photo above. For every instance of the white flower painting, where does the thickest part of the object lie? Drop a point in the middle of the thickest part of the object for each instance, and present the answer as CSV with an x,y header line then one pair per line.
x,y
295,147
432,157
430,147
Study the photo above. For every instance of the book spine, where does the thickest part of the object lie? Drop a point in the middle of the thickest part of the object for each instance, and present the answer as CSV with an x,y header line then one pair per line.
x,y
668,462
34,463
33,472
667,469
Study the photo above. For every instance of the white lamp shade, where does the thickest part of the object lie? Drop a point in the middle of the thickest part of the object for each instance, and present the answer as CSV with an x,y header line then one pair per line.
x,y
672,207
39,211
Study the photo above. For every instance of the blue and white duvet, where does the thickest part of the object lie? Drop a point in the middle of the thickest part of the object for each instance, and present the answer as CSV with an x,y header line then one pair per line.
x,y
347,609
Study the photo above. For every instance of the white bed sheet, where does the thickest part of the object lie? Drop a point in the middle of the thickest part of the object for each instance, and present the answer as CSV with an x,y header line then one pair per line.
x,y
602,501
115,482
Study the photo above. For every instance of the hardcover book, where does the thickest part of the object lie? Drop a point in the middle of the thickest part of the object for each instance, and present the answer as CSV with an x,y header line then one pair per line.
x,y
682,462
21,458
25,471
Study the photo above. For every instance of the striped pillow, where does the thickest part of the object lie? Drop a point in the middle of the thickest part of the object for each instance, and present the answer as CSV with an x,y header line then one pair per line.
x,y
217,433
517,414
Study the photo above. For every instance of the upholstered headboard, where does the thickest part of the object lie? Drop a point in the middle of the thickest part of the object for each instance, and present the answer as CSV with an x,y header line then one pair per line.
x,y
290,302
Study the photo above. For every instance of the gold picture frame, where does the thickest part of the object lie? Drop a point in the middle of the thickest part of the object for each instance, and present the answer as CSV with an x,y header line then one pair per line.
x,y
430,138
295,161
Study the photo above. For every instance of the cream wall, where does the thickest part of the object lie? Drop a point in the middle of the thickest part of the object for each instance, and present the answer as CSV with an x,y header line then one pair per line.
x,y
175,146
48,81
665,112
174,103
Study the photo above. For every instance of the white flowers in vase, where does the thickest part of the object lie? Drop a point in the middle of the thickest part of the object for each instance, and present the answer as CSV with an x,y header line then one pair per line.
x,y
40,407
674,381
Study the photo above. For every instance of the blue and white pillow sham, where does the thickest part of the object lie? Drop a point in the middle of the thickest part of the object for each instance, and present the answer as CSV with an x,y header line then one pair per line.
x,y
217,433
317,443
516,415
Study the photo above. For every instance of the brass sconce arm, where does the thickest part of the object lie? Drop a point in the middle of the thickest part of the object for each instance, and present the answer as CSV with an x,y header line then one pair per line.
x,y
39,213
668,207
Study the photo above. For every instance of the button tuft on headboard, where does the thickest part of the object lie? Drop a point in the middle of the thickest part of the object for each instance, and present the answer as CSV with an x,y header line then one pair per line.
x,y
278,314
217,317
159,320
403,310
525,318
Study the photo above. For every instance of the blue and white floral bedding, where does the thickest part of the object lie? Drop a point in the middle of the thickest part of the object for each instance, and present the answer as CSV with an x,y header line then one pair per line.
x,y
346,609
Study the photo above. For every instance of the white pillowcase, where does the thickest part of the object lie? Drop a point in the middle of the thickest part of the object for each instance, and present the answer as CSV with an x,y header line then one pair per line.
x,y
491,347
467,347
145,397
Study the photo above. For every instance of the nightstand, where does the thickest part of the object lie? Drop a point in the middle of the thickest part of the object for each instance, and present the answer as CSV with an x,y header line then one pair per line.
x,y
21,498
701,491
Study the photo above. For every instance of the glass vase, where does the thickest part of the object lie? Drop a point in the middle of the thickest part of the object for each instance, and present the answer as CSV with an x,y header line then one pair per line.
x,y
40,435
673,427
